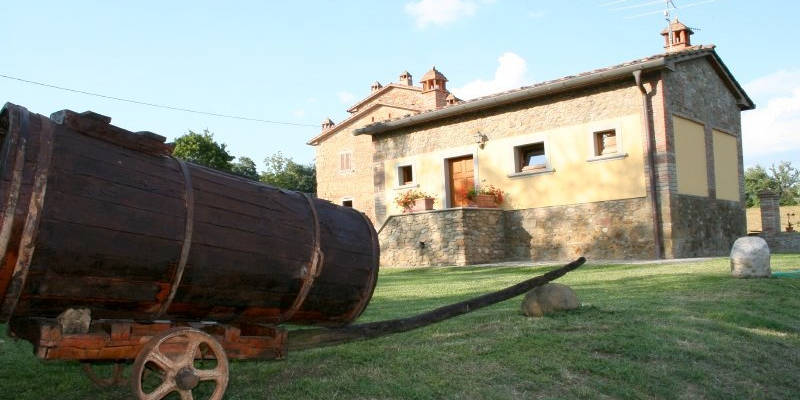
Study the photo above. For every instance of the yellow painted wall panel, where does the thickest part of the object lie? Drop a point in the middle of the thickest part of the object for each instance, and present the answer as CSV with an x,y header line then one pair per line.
x,y
690,157
726,166
573,180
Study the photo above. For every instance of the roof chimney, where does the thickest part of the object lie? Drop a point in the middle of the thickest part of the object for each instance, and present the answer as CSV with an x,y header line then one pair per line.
x,y
327,124
677,36
452,100
376,86
434,89
405,79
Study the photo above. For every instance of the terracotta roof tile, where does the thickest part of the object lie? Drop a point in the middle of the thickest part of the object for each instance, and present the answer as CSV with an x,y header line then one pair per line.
x,y
676,55
433,74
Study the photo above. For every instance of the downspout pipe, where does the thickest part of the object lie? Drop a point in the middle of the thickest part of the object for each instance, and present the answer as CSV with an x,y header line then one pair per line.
x,y
651,163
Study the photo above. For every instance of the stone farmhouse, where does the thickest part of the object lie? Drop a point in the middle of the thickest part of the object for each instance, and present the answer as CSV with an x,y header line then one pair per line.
x,y
637,160
344,161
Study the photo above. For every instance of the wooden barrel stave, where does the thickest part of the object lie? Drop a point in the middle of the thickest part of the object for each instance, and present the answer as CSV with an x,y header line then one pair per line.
x,y
113,225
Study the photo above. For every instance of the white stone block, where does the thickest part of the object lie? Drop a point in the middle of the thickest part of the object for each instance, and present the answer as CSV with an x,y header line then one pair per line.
x,y
750,258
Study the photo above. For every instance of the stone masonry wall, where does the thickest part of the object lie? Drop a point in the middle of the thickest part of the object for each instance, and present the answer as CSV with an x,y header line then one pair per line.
x,y
770,212
409,97
782,242
458,236
483,236
700,226
616,229
333,184
779,242
574,108
704,227
358,184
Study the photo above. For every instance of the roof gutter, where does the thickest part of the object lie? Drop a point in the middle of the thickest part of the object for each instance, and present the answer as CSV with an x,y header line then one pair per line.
x,y
513,97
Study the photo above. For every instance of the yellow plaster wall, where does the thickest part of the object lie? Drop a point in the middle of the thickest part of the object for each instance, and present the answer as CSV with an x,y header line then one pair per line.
x,y
690,157
726,166
574,178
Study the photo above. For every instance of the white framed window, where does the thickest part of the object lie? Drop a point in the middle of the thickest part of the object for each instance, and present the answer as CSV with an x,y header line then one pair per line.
x,y
531,156
347,201
346,162
605,143
405,175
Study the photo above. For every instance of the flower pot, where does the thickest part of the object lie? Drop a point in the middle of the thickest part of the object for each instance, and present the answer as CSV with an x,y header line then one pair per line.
x,y
420,205
485,201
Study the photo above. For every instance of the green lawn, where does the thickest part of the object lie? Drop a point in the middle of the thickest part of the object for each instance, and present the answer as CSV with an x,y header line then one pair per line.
x,y
679,331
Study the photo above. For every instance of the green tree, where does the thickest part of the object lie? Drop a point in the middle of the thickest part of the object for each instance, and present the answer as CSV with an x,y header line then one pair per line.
x,y
782,179
245,167
786,179
200,148
283,172
756,180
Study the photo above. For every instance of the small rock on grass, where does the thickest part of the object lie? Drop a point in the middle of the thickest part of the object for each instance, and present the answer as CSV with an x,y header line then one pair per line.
x,y
548,299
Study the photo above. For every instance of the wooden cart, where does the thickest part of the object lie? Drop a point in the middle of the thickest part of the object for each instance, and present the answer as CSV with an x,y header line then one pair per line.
x,y
112,250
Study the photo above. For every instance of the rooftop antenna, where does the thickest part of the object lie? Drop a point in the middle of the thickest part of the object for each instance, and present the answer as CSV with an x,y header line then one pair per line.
x,y
667,5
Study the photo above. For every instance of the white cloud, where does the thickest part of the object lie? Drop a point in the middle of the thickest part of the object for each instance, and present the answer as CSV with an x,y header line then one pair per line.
x,y
510,74
346,97
439,12
299,113
774,126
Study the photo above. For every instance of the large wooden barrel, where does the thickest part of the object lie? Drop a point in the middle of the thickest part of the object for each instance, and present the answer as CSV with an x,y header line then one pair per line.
x,y
94,216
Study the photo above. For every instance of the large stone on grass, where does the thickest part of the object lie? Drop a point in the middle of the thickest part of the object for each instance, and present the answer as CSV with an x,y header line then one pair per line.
x,y
548,299
750,258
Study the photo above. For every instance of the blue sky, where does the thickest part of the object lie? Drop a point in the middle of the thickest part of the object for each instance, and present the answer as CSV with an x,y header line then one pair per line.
x,y
299,62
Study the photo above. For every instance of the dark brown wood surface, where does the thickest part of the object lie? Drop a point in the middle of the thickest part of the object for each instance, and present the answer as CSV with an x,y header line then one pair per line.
x,y
113,225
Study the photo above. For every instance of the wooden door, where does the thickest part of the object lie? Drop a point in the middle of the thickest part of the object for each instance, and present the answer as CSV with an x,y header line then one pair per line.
x,y
462,179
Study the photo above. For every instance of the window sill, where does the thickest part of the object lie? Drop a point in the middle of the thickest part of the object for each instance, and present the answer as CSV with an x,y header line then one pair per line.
x,y
607,157
530,173
409,186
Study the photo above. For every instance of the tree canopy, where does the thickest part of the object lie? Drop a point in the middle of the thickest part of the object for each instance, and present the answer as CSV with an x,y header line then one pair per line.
x,y
282,171
245,167
200,148
782,179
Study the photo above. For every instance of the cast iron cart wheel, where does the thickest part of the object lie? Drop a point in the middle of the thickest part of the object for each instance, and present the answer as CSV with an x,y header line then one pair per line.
x,y
173,353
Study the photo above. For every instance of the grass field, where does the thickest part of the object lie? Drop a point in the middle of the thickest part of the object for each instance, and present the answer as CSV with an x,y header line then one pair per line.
x,y
681,331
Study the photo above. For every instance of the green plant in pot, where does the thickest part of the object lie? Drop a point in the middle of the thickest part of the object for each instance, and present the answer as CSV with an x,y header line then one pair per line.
x,y
487,196
414,200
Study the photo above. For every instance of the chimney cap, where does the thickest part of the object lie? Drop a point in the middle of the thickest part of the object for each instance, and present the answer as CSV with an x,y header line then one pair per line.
x,y
675,26
433,74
